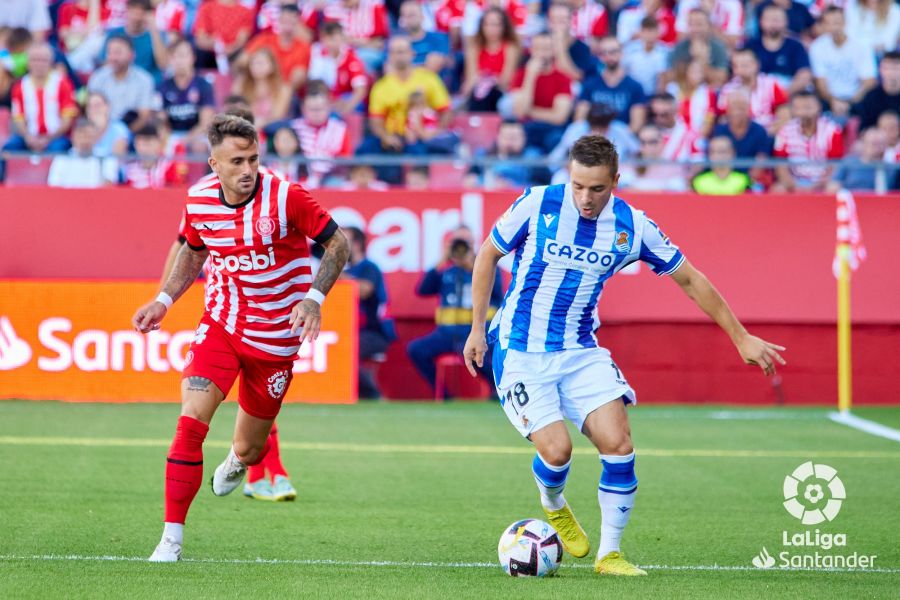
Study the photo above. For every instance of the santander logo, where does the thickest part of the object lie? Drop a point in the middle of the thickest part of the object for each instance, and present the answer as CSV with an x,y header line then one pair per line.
x,y
255,261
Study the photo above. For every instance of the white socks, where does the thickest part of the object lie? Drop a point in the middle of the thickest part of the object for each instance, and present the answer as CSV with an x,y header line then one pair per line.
x,y
616,493
174,531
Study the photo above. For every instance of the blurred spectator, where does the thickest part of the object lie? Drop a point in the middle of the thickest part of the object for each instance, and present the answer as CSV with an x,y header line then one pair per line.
x,y
748,138
321,136
334,61
874,22
128,88
659,176
171,17
799,19
221,29
43,105
388,104
768,100
590,19
866,177
451,281
290,49
14,45
364,177
844,69
516,10
151,170
726,17
700,44
679,142
721,179
779,55
28,14
366,24
696,100
261,84
646,58
418,178
375,333
282,155
808,136
612,86
147,42
634,14
601,120
270,11
431,49
573,57
883,97
491,59
541,95
889,125
113,137
80,20
187,100
81,168
509,148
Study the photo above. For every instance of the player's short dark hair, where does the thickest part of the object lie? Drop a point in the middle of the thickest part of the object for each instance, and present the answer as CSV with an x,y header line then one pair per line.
x,y
225,125
330,28
240,111
595,151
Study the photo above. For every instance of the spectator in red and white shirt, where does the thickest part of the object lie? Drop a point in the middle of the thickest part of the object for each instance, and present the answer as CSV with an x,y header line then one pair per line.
x,y
171,17
335,62
321,136
768,100
589,20
151,170
696,98
807,137
727,18
365,24
491,60
78,20
628,25
43,105
679,142
516,10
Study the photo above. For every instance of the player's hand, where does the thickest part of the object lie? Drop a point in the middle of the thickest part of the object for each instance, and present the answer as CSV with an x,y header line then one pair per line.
x,y
308,315
759,352
474,351
148,317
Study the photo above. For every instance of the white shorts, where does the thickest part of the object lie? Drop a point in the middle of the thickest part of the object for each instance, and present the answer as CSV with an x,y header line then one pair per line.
x,y
539,388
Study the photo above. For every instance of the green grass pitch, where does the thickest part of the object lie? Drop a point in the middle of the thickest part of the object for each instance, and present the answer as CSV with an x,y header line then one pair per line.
x,y
409,500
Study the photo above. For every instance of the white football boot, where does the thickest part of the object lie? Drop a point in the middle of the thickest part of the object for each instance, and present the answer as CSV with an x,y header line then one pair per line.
x,y
168,550
228,475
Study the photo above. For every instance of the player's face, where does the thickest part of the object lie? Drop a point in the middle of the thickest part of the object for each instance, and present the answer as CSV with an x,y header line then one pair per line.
x,y
236,161
591,188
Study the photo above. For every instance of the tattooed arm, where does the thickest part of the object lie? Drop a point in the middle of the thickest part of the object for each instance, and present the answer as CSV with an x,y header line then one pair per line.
x,y
308,313
188,264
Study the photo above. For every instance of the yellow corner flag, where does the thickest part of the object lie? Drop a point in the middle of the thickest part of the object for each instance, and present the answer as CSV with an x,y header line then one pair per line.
x,y
849,252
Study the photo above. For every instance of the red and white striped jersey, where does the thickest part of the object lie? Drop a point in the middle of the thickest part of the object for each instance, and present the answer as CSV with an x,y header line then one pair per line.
x,y
727,16
699,108
765,97
163,173
892,154
681,142
450,13
328,140
259,258
590,20
341,74
170,15
827,142
368,20
205,182
628,24
41,109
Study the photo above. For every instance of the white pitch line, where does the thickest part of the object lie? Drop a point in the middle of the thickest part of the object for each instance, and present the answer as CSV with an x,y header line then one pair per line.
x,y
871,427
410,564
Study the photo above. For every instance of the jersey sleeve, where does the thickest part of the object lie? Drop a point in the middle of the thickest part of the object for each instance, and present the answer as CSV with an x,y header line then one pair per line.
x,y
511,229
191,236
307,216
657,251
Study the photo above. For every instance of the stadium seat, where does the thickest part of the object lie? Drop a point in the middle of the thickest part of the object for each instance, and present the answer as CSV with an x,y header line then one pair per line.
x,y
454,361
445,176
477,130
4,124
32,170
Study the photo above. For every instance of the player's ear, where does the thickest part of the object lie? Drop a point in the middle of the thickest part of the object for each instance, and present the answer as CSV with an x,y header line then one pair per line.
x,y
212,163
615,182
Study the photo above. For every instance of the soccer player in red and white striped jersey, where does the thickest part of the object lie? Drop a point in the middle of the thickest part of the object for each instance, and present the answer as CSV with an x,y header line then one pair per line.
x,y
807,137
766,93
259,310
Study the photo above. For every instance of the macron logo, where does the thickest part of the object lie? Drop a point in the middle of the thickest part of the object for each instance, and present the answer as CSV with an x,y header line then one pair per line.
x,y
624,509
548,219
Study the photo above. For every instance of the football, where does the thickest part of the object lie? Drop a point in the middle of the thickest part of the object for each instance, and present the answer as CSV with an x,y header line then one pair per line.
x,y
530,548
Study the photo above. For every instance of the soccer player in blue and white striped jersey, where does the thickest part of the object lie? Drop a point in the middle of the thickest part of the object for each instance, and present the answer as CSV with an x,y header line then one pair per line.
x,y
567,241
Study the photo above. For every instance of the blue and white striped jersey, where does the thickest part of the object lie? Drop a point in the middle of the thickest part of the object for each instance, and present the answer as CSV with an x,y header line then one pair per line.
x,y
562,261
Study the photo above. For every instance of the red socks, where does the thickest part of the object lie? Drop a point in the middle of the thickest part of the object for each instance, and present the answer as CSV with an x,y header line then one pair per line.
x,y
184,468
272,460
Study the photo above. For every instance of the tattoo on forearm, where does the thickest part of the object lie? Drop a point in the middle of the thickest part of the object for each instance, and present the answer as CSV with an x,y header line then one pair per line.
x,y
198,384
188,264
337,251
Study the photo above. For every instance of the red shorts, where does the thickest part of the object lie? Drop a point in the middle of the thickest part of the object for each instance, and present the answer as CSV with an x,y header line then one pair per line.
x,y
219,357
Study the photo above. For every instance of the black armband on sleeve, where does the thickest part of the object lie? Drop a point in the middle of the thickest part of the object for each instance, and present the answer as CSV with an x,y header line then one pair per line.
x,y
326,233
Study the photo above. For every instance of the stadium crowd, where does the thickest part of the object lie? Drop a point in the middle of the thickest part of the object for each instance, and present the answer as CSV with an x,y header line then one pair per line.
x,y
121,91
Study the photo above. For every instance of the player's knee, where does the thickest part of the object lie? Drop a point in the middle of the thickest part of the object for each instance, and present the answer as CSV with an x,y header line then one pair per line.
x,y
620,446
248,452
556,452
